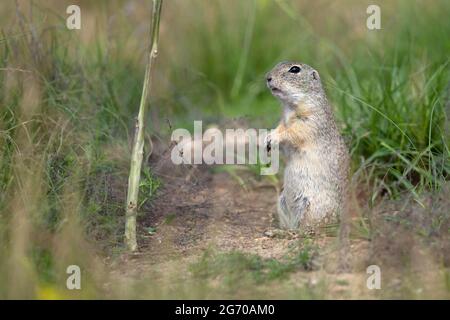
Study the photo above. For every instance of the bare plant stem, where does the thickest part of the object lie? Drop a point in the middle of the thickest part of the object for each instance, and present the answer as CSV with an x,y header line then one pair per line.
x,y
138,143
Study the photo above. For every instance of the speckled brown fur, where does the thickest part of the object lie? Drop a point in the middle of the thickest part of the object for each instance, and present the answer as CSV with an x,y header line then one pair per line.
x,y
316,173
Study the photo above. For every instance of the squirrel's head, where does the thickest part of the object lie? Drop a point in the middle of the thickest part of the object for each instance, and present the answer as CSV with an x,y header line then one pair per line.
x,y
294,83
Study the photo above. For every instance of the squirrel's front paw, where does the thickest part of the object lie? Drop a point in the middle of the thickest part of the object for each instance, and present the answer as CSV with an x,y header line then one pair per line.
x,y
270,140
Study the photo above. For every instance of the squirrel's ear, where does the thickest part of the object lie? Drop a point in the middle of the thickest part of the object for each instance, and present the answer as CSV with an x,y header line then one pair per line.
x,y
315,75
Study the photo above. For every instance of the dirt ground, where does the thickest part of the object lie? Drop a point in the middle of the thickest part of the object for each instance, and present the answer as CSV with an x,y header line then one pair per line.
x,y
215,210
199,209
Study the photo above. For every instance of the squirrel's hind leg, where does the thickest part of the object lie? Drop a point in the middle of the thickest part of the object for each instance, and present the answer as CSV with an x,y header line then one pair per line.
x,y
290,215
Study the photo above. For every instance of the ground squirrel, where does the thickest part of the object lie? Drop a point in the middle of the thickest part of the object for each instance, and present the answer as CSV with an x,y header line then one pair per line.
x,y
316,173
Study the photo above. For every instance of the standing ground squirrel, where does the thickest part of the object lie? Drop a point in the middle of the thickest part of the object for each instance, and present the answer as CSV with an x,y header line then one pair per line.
x,y
316,173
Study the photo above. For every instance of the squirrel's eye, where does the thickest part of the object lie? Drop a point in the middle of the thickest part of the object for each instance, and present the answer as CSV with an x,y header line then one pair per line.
x,y
294,69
